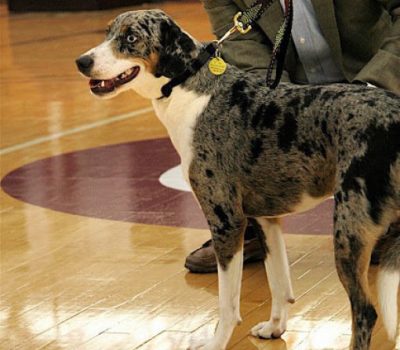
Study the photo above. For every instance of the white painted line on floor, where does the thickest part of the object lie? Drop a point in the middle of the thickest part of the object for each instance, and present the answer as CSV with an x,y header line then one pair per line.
x,y
76,130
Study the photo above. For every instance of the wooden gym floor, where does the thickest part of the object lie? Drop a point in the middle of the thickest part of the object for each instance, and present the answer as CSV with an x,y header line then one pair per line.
x,y
89,260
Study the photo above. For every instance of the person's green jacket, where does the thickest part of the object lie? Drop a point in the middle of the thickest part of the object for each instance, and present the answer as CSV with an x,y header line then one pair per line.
x,y
364,37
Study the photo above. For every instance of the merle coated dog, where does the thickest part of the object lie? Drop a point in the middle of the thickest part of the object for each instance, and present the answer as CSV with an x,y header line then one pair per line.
x,y
251,152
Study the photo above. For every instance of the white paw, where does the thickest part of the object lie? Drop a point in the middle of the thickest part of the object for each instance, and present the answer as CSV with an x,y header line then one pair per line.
x,y
267,330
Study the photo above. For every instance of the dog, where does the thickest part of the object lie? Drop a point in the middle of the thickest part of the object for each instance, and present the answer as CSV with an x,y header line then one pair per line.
x,y
248,151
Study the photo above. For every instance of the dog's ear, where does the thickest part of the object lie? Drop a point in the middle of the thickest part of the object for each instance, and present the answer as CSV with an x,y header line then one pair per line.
x,y
175,50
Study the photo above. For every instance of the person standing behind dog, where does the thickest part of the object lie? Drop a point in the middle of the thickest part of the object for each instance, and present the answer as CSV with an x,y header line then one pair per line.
x,y
332,42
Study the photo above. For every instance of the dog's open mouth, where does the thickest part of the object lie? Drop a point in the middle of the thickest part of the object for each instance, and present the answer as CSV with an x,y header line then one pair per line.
x,y
109,85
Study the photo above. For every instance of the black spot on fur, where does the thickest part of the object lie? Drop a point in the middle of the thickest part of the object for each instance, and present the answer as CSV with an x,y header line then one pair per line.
x,y
324,129
339,197
223,218
355,246
370,315
327,95
272,110
174,52
220,213
209,173
265,116
295,102
287,133
145,27
365,318
232,190
186,43
322,150
202,155
306,148
256,149
311,96
374,167
239,96
246,169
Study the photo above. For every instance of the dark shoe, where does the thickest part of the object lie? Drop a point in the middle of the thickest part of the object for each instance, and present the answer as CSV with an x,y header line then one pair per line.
x,y
203,260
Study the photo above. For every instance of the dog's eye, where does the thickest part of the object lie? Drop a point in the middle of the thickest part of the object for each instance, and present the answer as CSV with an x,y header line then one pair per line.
x,y
130,39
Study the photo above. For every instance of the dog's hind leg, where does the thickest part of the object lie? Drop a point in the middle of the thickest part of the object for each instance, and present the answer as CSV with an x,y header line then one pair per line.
x,y
277,267
389,277
355,237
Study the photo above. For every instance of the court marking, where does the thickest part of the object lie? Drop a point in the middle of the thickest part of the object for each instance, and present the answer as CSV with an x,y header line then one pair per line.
x,y
126,182
75,130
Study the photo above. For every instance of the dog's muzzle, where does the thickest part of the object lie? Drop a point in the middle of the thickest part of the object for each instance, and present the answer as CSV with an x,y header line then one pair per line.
x,y
85,64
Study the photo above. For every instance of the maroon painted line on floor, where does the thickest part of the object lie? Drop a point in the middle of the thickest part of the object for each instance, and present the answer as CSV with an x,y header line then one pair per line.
x,y
120,182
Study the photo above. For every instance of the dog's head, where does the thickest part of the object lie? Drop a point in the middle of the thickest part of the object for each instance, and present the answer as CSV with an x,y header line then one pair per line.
x,y
142,51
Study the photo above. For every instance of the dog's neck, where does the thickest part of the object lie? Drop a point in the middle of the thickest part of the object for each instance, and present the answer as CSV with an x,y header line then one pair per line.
x,y
179,113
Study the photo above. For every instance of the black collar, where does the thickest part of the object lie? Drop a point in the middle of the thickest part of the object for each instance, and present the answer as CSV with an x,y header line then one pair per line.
x,y
204,55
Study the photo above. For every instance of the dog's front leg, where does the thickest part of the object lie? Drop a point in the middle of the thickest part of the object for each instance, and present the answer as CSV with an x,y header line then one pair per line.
x,y
277,268
229,285
227,224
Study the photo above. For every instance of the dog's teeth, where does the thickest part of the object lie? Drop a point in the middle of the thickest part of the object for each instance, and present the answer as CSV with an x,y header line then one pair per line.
x,y
103,83
129,71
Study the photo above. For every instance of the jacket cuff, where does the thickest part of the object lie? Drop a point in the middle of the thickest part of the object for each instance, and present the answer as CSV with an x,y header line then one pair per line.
x,y
383,71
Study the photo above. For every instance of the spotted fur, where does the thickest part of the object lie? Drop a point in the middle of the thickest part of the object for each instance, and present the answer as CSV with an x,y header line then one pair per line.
x,y
251,152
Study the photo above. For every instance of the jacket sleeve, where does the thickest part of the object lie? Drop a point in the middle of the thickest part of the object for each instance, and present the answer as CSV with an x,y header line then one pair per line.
x,y
250,52
383,69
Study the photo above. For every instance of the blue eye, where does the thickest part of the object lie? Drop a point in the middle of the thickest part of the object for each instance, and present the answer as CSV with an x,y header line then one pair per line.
x,y
130,39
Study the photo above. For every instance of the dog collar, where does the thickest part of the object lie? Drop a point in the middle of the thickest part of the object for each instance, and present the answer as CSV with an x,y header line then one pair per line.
x,y
201,59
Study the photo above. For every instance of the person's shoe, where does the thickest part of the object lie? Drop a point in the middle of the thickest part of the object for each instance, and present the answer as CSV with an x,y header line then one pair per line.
x,y
203,259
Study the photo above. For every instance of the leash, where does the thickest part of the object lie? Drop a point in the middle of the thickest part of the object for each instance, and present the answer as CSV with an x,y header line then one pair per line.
x,y
281,44
242,23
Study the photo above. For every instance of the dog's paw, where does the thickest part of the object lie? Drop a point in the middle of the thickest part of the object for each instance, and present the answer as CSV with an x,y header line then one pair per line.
x,y
267,330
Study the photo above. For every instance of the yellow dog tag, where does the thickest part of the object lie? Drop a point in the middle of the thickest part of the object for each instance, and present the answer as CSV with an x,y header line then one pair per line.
x,y
217,66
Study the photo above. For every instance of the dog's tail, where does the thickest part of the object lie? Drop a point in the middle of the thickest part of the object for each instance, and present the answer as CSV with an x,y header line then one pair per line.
x,y
388,280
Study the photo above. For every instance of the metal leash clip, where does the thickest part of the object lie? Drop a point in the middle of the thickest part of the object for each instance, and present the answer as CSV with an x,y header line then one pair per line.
x,y
239,25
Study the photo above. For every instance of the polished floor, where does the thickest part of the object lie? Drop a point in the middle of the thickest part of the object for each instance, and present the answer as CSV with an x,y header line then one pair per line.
x,y
92,245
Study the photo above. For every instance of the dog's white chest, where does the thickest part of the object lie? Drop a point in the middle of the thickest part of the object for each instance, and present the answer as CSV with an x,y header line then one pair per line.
x,y
179,114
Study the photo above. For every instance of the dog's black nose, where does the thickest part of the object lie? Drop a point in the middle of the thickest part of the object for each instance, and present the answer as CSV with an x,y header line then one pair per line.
x,y
85,63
